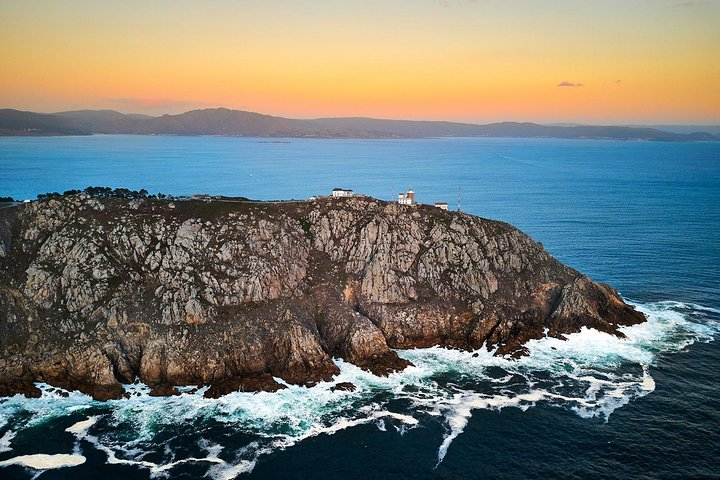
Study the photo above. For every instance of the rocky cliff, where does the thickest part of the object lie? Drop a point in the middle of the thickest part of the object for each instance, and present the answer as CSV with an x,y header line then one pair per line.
x,y
95,293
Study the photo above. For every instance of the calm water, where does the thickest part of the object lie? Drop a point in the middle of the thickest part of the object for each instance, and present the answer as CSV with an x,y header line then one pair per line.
x,y
644,217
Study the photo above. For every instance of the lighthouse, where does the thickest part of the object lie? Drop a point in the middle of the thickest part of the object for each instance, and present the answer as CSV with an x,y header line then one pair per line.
x,y
407,198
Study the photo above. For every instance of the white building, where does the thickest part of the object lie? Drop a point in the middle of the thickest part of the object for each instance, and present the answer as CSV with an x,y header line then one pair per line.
x,y
407,198
441,205
341,192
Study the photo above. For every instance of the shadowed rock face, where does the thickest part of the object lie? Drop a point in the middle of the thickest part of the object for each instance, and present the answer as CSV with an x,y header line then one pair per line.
x,y
96,293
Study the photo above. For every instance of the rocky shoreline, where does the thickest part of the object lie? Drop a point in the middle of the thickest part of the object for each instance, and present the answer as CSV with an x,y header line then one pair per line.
x,y
100,292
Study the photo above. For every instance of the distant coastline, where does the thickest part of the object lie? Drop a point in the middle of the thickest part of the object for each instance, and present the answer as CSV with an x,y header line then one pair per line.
x,y
237,123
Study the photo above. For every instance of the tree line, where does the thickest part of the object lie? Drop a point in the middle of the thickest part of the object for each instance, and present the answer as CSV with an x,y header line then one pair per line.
x,y
105,192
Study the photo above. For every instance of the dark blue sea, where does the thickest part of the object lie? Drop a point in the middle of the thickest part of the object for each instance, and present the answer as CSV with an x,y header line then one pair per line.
x,y
642,216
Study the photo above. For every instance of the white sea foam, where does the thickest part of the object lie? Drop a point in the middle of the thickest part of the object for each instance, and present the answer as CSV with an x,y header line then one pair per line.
x,y
156,469
5,441
591,374
53,403
588,359
42,461
81,428
229,471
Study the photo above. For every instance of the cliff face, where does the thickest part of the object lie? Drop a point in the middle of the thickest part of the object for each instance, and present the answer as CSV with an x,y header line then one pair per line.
x,y
95,293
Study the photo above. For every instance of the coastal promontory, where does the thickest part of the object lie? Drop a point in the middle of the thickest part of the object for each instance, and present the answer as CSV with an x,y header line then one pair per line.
x,y
100,292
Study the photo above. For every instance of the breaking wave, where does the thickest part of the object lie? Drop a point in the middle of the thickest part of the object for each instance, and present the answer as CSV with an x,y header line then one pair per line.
x,y
591,374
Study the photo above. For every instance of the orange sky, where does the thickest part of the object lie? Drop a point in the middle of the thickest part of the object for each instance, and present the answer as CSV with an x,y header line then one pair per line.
x,y
637,61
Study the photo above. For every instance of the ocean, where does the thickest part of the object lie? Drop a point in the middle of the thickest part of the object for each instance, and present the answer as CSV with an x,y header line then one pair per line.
x,y
641,216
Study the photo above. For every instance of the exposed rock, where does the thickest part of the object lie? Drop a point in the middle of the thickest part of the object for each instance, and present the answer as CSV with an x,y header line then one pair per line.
x,y
163,391
343,387
262,382
95,293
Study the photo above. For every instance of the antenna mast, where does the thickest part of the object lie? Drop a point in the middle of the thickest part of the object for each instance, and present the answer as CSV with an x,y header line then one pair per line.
x,y
459,195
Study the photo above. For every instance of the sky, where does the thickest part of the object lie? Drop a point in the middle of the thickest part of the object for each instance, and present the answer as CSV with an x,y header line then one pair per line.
x,y
601,62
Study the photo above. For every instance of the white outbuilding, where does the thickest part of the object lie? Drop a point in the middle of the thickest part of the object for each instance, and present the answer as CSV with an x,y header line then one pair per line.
x,y
341,192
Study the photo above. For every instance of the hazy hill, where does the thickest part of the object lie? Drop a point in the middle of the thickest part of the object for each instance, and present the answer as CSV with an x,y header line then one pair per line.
x,y
712,129
212,121
222,121
226,122
16,122
410,128
103,121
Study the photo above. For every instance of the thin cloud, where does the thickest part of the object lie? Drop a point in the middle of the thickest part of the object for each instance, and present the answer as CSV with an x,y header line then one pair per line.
x,y
569,84
692,3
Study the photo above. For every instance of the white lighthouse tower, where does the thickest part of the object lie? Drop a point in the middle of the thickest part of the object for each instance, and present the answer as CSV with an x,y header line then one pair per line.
x,y
407,198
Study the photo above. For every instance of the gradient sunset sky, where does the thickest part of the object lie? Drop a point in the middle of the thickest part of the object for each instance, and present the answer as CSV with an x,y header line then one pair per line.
x,y
609,61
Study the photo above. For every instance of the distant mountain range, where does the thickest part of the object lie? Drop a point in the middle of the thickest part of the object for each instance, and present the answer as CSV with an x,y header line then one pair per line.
x,y
225,122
